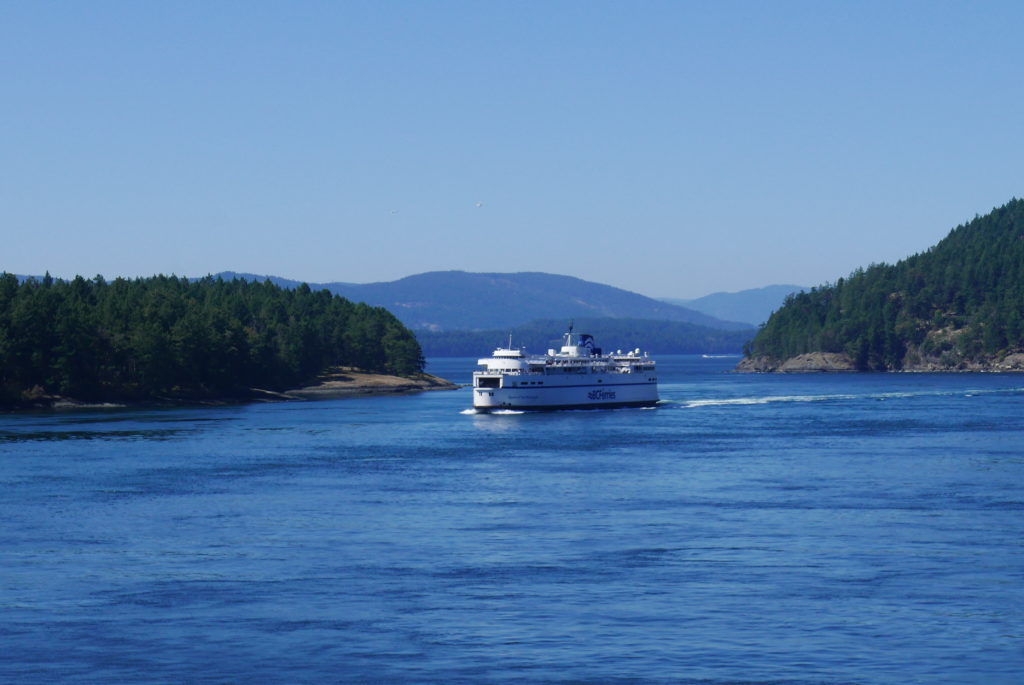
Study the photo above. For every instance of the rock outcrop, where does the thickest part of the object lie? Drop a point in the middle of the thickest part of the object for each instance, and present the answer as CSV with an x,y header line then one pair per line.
x,y
1011,362
915,362
946,361
346,382
811,362
758,364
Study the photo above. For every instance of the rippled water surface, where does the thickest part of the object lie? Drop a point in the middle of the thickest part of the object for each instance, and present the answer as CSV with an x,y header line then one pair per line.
x,y
784,529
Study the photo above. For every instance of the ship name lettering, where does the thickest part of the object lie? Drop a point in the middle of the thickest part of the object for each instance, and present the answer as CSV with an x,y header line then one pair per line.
x,y
601,395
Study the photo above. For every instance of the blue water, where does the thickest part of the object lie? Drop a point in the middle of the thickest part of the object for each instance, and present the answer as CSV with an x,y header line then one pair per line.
x,y
751,529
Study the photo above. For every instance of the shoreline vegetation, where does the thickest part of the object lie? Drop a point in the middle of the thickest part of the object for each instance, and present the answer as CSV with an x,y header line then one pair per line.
x,y
956,307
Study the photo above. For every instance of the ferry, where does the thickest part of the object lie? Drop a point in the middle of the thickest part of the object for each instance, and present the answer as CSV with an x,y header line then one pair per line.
x,y
578,376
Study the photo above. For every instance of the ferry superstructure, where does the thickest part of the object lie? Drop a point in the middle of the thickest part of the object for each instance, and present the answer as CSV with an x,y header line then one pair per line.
x,y
578,376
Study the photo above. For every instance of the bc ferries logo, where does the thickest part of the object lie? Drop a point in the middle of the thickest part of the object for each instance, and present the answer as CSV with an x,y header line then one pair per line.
x,y
601,395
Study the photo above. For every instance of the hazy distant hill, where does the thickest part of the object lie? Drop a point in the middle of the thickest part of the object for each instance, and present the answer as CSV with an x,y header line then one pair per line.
x,y
656,337
459,300
958,305
752,306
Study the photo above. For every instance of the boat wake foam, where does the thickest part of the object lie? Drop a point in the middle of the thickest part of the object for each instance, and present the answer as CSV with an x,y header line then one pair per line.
x,y
881,397
690,404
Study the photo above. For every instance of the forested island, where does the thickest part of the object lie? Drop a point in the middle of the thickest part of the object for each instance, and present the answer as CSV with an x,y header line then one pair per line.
x,y
171,338
957,306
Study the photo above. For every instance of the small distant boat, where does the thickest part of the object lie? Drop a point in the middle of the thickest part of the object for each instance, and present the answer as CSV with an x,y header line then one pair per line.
x,y
578,376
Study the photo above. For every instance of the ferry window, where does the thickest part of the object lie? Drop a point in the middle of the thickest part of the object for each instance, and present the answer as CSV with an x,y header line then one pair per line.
x,y
489,382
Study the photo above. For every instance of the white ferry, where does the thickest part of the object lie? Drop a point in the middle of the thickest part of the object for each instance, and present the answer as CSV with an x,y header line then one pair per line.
x,y
578,376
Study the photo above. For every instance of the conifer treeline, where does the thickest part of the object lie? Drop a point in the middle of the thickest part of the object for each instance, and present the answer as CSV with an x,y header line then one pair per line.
x,y
151,337
962,299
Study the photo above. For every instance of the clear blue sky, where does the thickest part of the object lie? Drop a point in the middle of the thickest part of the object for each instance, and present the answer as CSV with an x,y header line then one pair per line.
x,y
670,148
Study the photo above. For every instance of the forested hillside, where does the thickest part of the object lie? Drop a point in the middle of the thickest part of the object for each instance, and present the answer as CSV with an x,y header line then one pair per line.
x,y
957,305
656,337
168,336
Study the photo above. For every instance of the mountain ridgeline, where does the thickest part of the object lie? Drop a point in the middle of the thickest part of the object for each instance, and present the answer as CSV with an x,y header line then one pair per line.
x,y
752,306
957,306
171,337
460,300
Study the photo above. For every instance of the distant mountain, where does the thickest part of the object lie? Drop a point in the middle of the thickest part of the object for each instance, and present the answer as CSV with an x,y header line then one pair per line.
x,y
459,300
656,337
752,306
957,306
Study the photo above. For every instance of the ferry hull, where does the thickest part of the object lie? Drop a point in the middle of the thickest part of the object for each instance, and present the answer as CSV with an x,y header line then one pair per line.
x,y
554,407
611,396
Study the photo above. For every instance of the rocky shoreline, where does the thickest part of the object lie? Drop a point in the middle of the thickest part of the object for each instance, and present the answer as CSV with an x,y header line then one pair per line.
x,y
348,382
811,362
336,383
837,362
